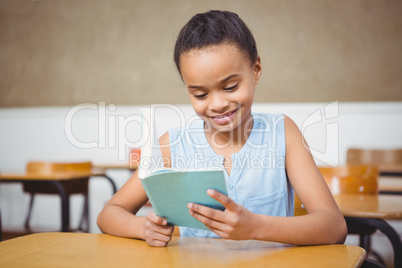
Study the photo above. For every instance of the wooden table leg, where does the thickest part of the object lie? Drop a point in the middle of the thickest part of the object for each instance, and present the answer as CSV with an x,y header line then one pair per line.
x,y
65,206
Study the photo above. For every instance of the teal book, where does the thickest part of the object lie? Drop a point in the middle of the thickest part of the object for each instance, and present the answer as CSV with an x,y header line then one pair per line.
x,y
170,191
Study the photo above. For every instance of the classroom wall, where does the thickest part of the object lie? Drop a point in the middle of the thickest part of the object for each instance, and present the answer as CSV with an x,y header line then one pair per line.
x,y
104,134
66,52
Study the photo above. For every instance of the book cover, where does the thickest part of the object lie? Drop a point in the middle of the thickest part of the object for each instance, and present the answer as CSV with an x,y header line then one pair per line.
x,y
170,190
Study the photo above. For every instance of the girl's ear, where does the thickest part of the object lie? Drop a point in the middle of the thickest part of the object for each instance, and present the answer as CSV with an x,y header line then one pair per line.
x,y
257,68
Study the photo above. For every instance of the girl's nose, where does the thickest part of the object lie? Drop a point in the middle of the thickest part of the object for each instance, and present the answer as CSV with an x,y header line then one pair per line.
x,y
218,102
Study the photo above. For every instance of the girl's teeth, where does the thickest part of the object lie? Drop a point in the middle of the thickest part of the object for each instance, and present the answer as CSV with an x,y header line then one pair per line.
x,y
222,116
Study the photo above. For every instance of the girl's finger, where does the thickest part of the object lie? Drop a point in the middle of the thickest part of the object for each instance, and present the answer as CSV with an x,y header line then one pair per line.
x,y
151,216
223,199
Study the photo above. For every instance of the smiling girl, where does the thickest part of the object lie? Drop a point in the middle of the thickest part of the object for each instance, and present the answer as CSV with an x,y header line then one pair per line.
x,y
217,58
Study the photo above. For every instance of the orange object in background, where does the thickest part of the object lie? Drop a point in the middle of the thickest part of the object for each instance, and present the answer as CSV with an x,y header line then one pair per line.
x,y
135,155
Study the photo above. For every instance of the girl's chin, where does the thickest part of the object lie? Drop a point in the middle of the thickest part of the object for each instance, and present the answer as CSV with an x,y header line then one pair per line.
x,y
222,128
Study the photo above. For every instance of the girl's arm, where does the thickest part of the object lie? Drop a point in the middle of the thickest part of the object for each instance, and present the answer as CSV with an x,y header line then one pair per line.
x,y
324,223
118,216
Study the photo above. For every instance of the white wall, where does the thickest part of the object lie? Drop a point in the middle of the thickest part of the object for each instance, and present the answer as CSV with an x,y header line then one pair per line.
x,y
40,134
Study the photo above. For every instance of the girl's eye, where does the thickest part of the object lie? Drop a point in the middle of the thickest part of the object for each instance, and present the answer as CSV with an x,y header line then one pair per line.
x,y
200,96
231,88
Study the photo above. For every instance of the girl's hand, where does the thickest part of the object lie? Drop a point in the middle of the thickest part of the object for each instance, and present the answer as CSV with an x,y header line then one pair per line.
x,y
236,222
157,233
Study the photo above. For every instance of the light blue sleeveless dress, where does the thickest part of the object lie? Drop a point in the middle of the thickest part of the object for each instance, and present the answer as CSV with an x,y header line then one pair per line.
x,y
258,178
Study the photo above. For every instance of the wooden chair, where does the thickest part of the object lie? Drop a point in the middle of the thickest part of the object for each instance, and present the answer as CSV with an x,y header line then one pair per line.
x,y
299,207
376,157
350,179
76,186
354,179
388,157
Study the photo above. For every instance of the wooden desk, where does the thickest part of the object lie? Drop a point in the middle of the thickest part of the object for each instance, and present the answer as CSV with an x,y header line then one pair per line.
x,y
390,180
100,250
56,180
116,166
390,185
370,206
390,170
373,211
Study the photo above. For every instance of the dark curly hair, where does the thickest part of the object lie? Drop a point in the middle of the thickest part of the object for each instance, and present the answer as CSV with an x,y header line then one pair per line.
x,y
212,28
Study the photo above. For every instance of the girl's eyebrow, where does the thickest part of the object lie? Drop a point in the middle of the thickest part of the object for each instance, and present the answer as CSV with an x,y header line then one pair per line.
x,y
194,87
220,82
228,78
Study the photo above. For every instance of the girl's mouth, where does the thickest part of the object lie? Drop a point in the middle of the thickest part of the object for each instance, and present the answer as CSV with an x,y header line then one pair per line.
x,y
225,118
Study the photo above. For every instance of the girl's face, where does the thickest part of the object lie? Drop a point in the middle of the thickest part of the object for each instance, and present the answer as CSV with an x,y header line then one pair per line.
x,y
221,84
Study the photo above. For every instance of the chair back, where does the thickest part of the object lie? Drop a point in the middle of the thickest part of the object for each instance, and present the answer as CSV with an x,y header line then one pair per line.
x,y
299,207
35,167
349,179
374,157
